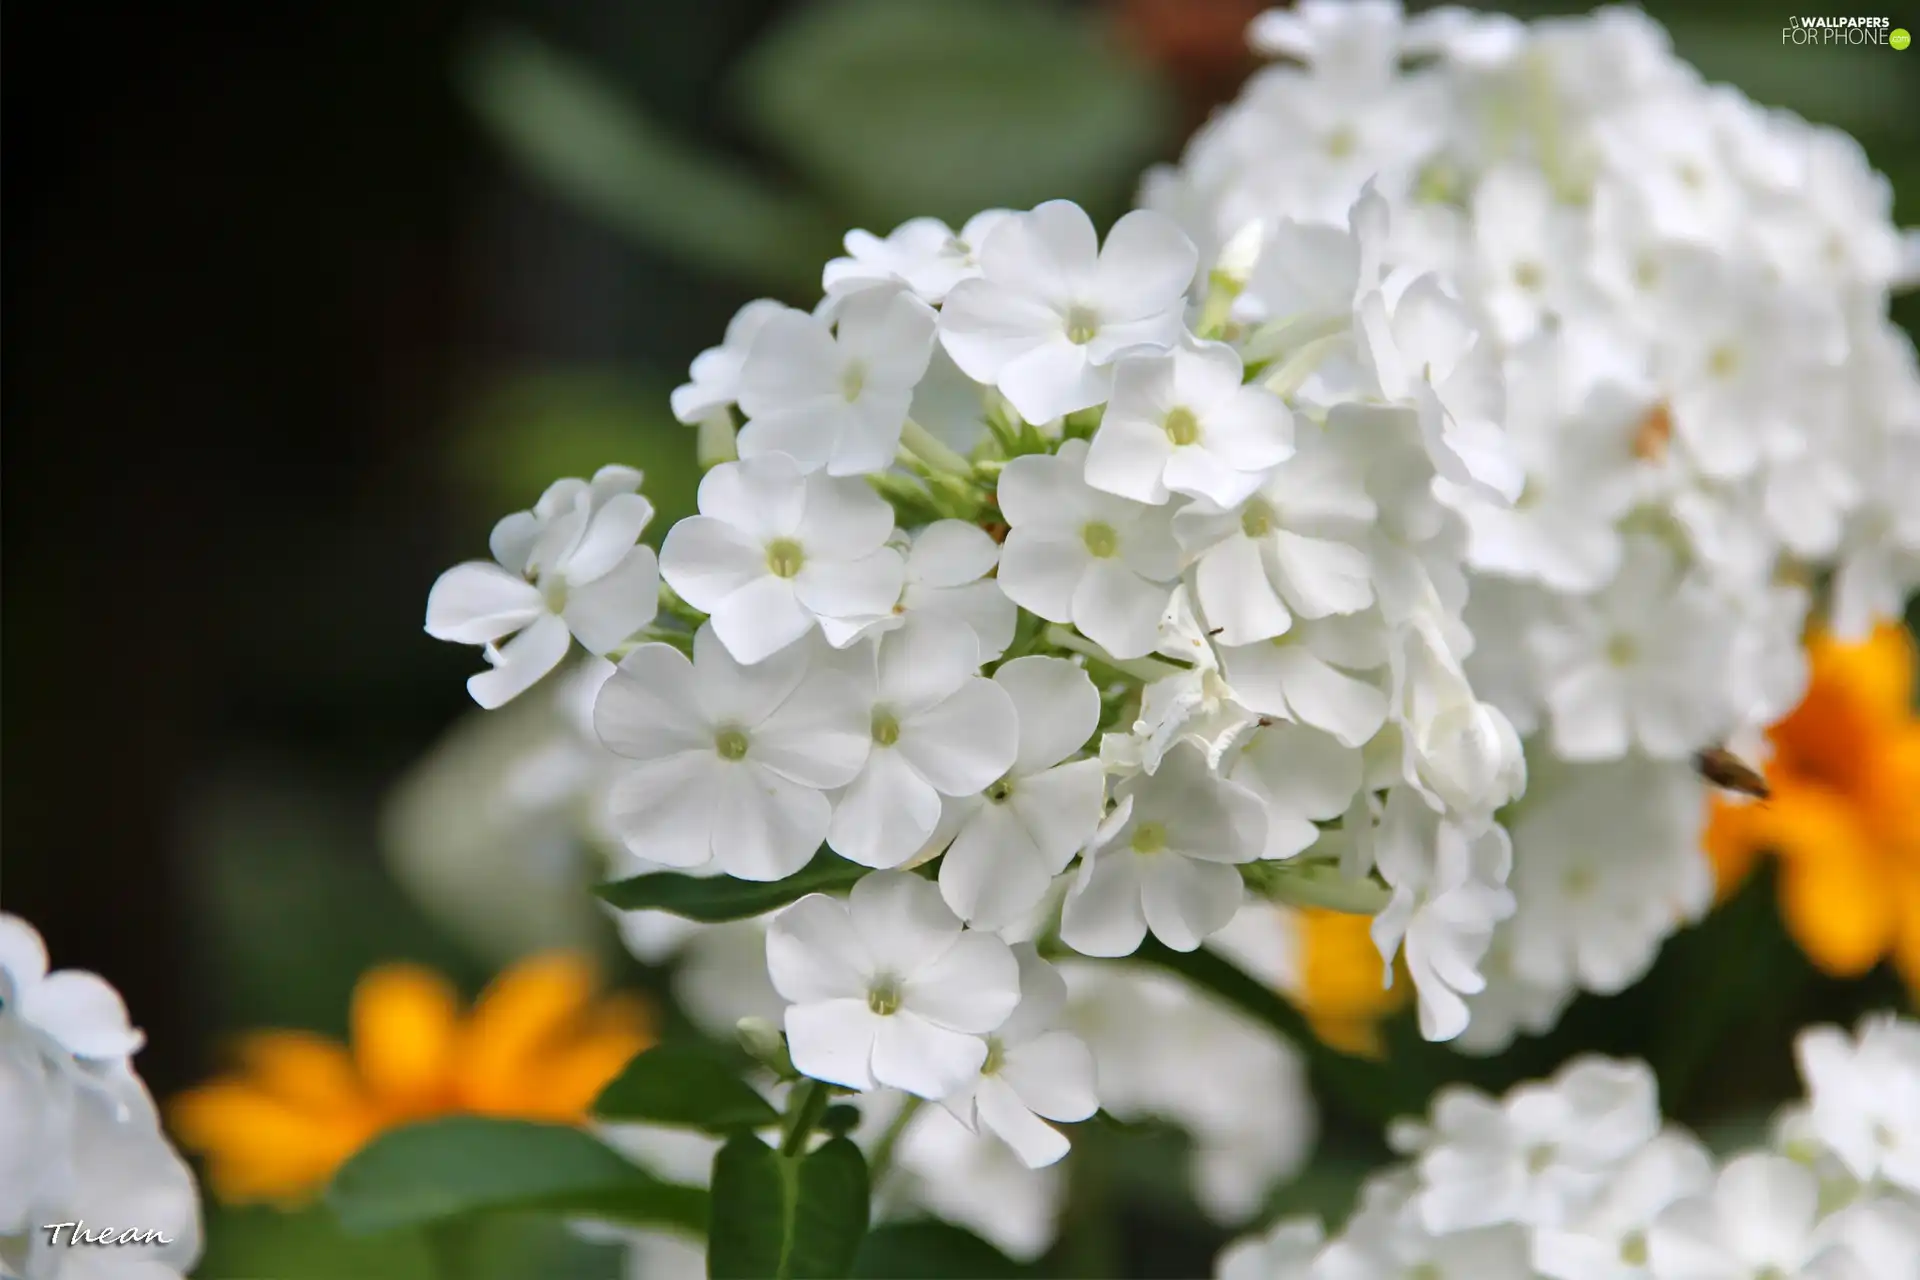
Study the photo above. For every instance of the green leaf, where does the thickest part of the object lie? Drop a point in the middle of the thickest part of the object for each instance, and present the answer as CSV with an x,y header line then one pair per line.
x,y
716,898
782,1218
944,107
683,1087
443,1169
593,146
931,1250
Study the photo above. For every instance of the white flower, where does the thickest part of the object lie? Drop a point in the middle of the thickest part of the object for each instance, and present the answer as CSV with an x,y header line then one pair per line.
x,y
1634,666
925,254
1154,1036
886,988
836,397
1865,1096
1052,309
1185,423
1303,776
715,384
971,1179
1309,276
1530,251
1075,554
733,759
1303,676
1460,752
1609,1241
937,729
567,566
1449,891
79,1135
1288,549
1882,1235
1385,1240
1192,705
1163,860
1032,1070
1759,1219
1541,1156
1284,1253
1426,352
1026,827
1607,864
773,552
948,568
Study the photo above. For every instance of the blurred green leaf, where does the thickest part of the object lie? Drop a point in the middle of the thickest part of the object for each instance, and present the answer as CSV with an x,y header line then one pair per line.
x,y
712,899
598,149
931,1251
786,1218
944,107
532,429
246,1244
444,1169
684,1087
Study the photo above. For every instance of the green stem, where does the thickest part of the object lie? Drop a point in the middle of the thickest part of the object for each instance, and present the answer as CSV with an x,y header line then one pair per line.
x,y
930,449
1147,669
453,1246
803,1114
882,1158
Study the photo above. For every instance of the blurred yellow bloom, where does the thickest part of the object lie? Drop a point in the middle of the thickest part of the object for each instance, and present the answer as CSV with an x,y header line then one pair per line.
x,y
1339,988
1844,816
537,1045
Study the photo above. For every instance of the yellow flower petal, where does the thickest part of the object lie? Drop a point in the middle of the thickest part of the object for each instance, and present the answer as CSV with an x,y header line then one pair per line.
x,y
1834,895
526,1014
404,1019
572,1076
304,1070
261,1147
1341,990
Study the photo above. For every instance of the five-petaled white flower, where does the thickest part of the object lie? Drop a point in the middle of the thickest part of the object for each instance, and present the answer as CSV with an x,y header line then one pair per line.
x,y
835,396
925,254
1052,308
1075,554
733,760
938,729
775,551
1032,1070
886,989
567,566
1184,422
1164,860
1024,830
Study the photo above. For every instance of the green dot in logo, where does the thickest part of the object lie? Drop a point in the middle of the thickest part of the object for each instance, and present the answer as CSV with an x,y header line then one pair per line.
x,y
1899,39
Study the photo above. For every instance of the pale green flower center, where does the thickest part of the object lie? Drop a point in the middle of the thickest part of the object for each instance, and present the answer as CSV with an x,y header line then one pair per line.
x,y
1150,838
1341,143
554,592
853,380
1538,1158
1256,519
1102,542
1182,427
996,1057
784,558
886,727
1082,325
1528,275
1723,361
1002,791
1633,1250
731,743
1622,650
883,997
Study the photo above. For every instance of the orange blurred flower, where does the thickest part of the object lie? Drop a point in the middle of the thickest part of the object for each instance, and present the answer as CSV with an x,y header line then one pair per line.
x,y
1339,987
537,1045
1844,816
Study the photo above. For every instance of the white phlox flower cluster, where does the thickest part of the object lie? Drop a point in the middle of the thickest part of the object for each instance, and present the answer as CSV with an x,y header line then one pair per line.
x,y
1706,410
1578,1178
1150,608
80,1139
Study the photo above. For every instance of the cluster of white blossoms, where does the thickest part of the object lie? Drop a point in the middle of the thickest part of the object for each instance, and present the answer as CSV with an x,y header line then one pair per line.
x,y
81,1151
1025,578
1577,1178
1685,296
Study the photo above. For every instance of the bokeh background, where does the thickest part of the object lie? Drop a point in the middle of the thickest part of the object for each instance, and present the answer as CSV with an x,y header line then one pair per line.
x,y
299,299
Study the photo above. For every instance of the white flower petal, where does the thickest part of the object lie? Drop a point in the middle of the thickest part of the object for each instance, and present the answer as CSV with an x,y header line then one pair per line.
x,y
835,1041
927,1061
647,710
902,921
886,813
521,662
1037,1143
1185,900
813,953
964,742
765,827
1057,705
476,603
972,987
615,606
1103,916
